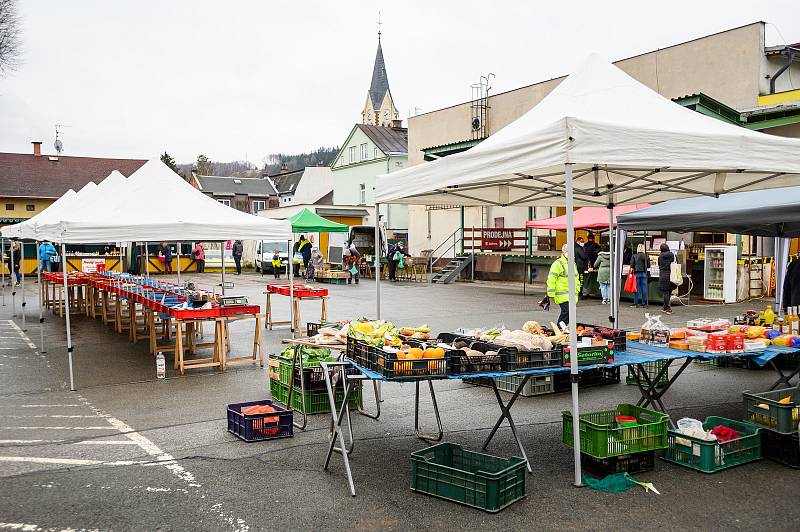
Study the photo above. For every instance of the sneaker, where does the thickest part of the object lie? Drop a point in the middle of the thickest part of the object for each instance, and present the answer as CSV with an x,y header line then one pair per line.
x,y
667,311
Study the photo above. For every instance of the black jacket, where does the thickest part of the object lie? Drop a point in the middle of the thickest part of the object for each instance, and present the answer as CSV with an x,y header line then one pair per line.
x,y
394,249
640,262
791,285
238,249
664,261
581,259
592,249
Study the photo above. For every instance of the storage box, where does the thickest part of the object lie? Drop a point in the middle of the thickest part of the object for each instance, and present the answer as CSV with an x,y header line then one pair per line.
x,y
713,456
628,463
475,479
536,385
766,409
259,427
602,437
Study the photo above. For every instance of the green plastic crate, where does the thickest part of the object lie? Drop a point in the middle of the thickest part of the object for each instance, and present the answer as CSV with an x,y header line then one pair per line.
x,y
765,409
475,479
316,402
713,456
601,437
536,385
651,369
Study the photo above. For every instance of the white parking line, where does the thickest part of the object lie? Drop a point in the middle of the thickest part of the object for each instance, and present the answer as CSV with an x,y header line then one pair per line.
x,y
68,461
73,416
55,428
105,442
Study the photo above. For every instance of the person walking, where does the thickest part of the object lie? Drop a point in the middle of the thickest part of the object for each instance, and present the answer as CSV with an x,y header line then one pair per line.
x,y
352,258
393,257
12,261
558,284
603,266
199,254
46,252
238,250
276,263
665,260
640,266
166,252
314,264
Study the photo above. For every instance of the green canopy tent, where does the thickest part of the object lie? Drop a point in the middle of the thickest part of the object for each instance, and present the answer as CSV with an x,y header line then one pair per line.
x,y
306,221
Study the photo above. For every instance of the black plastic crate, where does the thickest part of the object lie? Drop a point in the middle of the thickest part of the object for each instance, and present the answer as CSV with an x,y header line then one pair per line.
x,y
517,360
781,448
259,427
312,328
360,352
619,336
314,377
589,378
391,367
629,463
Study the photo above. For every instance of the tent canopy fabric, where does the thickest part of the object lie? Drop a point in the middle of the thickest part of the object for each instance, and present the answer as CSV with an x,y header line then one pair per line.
x,y
584,218
625,142
306,221
153,204
774,212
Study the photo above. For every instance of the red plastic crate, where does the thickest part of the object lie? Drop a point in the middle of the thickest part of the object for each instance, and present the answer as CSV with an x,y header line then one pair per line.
x,y
239,309
194,313
300,290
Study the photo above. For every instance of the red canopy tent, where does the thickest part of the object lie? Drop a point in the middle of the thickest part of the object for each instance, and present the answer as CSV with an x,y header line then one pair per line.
x,y
585,218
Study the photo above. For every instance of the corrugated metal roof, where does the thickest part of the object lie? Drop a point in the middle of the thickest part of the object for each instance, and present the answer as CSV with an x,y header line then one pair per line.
x,y
252,186
387,139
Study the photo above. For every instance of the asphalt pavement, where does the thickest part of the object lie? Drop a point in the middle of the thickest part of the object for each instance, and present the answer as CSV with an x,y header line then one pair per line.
x,y
129,452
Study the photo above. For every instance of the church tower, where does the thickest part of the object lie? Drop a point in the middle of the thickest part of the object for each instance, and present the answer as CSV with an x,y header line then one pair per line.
x,y
379,109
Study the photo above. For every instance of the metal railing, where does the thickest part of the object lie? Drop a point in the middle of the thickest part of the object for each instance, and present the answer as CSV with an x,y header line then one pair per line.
x,y
452,242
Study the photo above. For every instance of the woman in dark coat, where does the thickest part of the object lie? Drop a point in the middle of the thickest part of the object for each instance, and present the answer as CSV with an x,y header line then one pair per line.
x,y
665,260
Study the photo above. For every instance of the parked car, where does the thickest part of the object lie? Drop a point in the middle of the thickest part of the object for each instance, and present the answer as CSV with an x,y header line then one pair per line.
x,y
265,250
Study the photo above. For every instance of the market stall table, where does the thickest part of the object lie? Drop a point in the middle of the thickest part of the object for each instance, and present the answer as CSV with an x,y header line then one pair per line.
x,y
636,355
301,293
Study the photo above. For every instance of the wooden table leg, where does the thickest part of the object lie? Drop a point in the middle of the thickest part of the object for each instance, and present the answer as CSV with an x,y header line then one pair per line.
x,y
268,312
324,316
257,342
153,341
179,345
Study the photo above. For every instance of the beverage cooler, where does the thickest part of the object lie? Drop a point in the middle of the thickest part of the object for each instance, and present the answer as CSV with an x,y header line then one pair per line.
x,y
720,274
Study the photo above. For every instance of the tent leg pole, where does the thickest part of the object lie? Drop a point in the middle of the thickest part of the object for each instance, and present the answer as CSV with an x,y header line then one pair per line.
x,y
179,263
3,267
146,261
573,336
222,255
11,272
290,267
378,250
612,316
66,308
22,265
42,349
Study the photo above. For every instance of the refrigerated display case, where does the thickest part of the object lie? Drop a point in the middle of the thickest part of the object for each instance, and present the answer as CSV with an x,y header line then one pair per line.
x,y
720,274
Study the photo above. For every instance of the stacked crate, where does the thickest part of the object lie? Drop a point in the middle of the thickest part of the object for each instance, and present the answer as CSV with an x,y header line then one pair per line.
x,y
777,412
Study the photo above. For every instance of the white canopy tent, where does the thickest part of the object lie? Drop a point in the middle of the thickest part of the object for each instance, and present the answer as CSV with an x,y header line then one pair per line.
x,y
153,204
599,138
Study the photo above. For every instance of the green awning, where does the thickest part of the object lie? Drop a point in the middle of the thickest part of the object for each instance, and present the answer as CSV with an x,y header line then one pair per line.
x,y
306,221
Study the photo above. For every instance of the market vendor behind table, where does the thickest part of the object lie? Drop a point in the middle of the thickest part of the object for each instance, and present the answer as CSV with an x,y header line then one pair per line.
x,y
558,284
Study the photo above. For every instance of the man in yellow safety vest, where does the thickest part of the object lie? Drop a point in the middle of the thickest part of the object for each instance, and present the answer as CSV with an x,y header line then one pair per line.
x,y
558,284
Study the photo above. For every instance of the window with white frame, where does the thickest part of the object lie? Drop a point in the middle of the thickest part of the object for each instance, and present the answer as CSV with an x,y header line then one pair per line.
x,y
259,205
375,156
353,154
225,202
364,152
362,194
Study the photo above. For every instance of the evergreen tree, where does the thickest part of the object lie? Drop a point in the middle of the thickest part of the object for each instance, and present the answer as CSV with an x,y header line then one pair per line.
x,y
167,159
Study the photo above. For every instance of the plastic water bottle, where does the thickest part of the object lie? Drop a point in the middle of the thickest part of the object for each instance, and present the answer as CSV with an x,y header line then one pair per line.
x,y
161,366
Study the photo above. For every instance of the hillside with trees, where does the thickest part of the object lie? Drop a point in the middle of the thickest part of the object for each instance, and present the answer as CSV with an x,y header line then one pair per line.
x,y
271,164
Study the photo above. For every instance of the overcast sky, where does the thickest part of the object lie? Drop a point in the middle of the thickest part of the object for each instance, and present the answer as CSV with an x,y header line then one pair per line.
x,y
247,78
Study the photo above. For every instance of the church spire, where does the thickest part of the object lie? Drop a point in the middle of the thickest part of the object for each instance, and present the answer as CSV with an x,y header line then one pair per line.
x,y
379,109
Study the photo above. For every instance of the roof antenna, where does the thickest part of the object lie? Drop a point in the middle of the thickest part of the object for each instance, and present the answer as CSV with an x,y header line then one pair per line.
x,y
58,145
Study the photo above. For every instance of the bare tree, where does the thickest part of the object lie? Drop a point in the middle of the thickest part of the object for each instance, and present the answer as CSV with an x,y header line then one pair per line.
x,y
10,47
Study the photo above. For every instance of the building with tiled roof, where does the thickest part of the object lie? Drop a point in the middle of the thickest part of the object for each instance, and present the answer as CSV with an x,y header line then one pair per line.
x,y
30,182
246,194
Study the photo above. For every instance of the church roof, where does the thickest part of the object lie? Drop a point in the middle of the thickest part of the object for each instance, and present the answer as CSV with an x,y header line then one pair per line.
x,y
388,139
380,81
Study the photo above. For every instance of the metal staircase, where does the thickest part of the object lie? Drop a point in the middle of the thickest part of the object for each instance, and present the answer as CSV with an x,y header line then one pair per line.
x,y
452,269
457,263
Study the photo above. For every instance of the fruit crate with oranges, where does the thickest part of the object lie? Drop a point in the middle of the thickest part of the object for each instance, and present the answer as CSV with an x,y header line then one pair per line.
x,y
259,420
413,364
